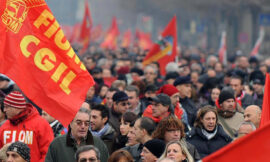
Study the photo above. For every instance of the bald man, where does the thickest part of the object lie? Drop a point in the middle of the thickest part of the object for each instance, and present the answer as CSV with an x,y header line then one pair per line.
x,y
253,114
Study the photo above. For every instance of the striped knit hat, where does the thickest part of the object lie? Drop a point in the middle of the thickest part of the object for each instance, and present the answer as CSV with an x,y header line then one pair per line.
x,y
15,99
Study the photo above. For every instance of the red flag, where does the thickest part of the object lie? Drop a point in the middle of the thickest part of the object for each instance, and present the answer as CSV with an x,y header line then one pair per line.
x,y
36,55
265,117
96,32
222,53
126,39
144,40
86,28
75,33
165,50
110,40
255,50
253,147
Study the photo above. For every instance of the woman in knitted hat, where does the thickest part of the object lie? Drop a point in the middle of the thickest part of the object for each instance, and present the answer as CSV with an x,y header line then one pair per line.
x,y
152,150
177,151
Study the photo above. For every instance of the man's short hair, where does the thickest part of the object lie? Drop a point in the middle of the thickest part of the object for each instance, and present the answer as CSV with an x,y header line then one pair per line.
x,y
132,88
248,123
104,111
148,124
84,110
87,148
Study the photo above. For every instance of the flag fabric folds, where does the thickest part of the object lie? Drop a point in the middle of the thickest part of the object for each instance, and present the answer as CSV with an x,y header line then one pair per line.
x,y
253,147
265,116
110,40
36,55
143,40
164,51
126,41
86,28
255,50
222,52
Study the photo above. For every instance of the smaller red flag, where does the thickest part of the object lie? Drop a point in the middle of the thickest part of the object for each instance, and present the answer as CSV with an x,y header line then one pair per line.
x,y
222,53
96,33
255,50
126,39
110,40
144,40
86,28
165,50
265,117
75,33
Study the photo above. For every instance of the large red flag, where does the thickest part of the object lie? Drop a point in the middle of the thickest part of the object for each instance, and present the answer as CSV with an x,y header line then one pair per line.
x,y
265,116
86,28
143,40
126,41
254,147
255,50
222,52
36,55
110,40
165,50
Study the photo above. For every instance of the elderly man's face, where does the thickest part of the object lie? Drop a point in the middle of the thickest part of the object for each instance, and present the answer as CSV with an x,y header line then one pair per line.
x,y
80,125
14,157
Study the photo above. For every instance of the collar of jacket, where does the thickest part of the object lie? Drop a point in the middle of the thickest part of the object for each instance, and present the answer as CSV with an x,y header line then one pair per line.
x,y
72,143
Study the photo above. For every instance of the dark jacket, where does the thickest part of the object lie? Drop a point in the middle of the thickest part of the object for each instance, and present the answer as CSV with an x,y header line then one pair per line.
x,y
135,151
63,148
205,146
190,109
193,151
108,138
115,120
247,100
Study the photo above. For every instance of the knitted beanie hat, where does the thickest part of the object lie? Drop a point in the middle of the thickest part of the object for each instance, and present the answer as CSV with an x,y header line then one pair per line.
x,y
15,99
21,148
168,89
155,146
225,95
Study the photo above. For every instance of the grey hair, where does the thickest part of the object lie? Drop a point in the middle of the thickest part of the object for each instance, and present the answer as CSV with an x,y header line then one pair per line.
x,y
151,67
172,67
86,148
84,110
248,123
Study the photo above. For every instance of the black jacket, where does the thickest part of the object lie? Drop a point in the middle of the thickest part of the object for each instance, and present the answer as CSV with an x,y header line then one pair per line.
x,y
205,146
190,108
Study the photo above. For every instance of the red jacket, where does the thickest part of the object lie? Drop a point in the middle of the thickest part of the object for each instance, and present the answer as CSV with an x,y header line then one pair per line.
x,y
148,113
34,131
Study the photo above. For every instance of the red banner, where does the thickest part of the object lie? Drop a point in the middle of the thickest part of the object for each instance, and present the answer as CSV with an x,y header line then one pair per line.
x,y
110,40
265,117
164,51
36,55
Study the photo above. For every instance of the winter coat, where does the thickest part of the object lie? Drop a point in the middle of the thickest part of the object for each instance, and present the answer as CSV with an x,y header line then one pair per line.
x,y
114,120
205,146
190,109
34,131
108,138
63,148
135,151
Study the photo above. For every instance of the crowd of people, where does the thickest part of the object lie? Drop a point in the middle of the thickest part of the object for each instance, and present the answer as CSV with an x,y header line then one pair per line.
x,y
134,114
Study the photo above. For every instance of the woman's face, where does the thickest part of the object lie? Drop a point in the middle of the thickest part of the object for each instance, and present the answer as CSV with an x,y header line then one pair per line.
x,y
175,153
214,94
124,127
209,121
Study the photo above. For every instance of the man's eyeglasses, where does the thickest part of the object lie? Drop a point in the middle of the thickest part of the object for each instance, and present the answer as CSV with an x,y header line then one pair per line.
x,y
80,123
90,159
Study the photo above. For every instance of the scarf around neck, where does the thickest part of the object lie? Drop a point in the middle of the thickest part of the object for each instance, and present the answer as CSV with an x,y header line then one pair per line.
x,y
102,131
209,135
21,116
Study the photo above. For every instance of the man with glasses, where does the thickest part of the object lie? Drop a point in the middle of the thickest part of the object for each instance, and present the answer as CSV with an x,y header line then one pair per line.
x,y
63,148
120,106
87,153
